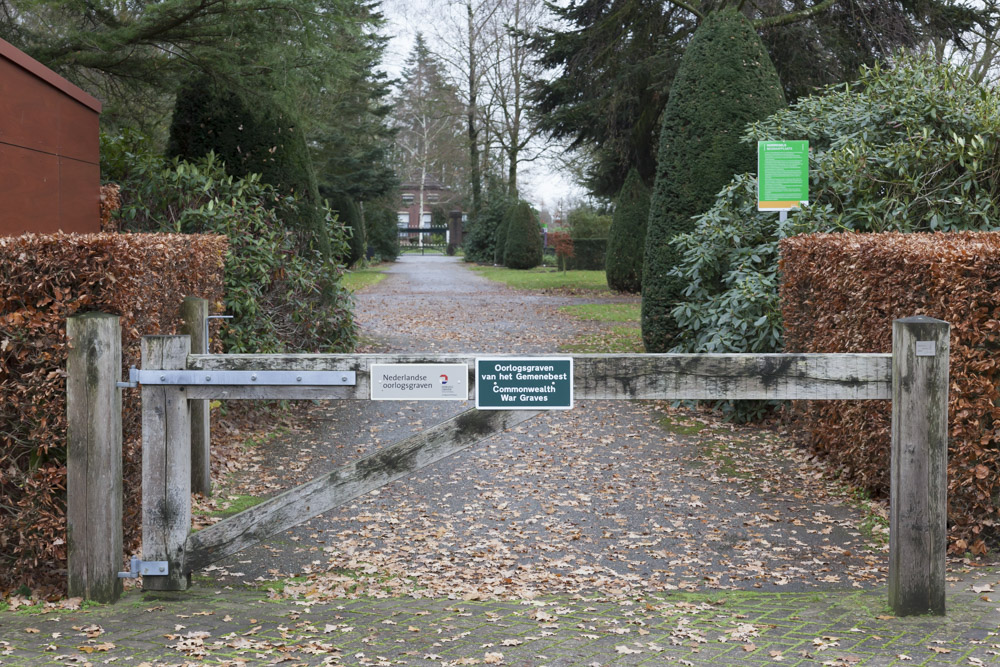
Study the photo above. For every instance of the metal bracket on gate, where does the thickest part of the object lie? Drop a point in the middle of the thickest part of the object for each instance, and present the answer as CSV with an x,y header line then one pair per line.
x,y
245,378
145,568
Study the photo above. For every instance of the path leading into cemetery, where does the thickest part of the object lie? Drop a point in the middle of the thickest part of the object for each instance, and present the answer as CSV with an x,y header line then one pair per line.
x,y
611,498
616,533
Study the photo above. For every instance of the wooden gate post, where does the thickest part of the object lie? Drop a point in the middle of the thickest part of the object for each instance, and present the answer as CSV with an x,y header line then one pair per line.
x,y
94,457
918,511
194,312
166,464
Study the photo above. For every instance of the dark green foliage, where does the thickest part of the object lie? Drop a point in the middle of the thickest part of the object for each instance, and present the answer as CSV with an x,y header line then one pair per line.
x,y
524,238
627,239
724,82
383,234
586,222
349,214
282,299
500,247
251,136
439,217
588,255
480,241
614,61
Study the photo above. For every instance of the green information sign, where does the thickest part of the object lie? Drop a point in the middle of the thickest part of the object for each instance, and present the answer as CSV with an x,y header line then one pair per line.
x,y
524,384
782,175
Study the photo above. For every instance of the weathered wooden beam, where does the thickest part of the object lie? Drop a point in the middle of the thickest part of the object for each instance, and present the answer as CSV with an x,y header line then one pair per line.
x,y
607,376
166,465
194,313
918,496
346,483
94,457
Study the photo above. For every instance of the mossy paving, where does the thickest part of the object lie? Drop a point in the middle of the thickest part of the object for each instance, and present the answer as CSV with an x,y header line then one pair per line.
x,y
208,625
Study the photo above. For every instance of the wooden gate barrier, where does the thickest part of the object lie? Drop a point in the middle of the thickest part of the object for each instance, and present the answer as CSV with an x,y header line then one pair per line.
x,y
914,377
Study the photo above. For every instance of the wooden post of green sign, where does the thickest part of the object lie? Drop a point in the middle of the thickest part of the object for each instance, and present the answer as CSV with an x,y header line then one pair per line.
x,y
918,496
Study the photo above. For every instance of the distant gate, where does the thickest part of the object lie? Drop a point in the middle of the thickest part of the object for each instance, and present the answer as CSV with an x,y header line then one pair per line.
x,y
914,377
435,239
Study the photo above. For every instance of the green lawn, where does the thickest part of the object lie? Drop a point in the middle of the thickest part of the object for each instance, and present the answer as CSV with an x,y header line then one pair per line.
x,y
605,312
546,278
625,338
356,279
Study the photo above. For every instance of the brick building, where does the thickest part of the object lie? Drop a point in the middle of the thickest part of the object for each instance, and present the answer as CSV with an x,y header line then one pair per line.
x,y
436,195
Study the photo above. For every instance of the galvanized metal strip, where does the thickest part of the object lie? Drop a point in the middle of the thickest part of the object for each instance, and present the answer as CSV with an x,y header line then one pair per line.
x,y
246,378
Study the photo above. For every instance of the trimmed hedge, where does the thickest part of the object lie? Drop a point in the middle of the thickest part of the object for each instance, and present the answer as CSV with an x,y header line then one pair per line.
x,y
47,278
524,238
588,255
627,238
841,293
725,81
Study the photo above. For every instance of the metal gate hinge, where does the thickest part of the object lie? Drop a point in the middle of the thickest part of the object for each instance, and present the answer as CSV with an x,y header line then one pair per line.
x,y
133,379
146,568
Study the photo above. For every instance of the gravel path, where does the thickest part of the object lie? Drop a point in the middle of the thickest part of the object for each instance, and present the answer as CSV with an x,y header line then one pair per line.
x,y
611,497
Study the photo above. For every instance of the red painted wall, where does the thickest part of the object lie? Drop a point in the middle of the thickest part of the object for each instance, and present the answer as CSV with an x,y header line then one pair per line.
x,y
50,177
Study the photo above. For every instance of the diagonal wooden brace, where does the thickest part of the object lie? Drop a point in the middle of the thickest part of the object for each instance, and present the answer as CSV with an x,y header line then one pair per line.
x,y
346,483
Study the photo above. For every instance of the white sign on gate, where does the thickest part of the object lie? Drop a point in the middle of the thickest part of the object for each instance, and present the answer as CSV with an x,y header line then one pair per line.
x,y
419,382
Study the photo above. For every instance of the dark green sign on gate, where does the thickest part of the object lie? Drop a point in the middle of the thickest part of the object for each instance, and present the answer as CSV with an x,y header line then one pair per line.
x,y
524,383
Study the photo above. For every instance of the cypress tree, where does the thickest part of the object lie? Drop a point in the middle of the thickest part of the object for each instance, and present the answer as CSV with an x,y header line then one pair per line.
x,y
725,81
627,238
349,214
382,231
500,249
524,238
250,136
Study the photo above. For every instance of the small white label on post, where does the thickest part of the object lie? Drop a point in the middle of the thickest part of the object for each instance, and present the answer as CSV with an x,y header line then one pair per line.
x,y
926,348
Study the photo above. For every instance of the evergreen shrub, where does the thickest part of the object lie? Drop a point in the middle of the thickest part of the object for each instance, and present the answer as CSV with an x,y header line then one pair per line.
x,y
627,238
911,148
524,238
725,81
383,232
251,136
349,214
500,244
588,255
283,297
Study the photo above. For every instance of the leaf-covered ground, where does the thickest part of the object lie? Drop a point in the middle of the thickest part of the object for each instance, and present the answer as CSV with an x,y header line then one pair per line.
x,y
611,498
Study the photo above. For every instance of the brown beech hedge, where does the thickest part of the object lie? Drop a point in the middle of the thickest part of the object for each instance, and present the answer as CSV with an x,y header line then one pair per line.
x,y
841,292
44,279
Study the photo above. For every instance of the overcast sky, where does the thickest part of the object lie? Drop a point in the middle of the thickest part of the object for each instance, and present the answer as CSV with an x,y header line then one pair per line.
x,y
541,182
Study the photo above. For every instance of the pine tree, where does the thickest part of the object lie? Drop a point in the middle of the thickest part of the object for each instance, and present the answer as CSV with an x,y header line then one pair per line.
x,y
725,81
627,239
523,249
